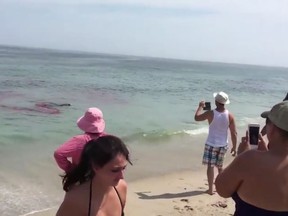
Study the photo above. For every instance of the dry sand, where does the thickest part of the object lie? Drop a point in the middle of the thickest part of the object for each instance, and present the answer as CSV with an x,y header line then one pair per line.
x,y
164,187
181,193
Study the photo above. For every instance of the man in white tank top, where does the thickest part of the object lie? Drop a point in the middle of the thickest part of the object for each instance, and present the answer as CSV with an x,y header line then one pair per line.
x,y
220,120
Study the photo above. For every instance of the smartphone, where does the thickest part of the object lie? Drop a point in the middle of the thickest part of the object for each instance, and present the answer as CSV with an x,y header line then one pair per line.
x,y
254,130
207,106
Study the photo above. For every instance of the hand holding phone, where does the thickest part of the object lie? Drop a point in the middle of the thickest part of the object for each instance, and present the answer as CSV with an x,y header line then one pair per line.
x,y
207,106
253,130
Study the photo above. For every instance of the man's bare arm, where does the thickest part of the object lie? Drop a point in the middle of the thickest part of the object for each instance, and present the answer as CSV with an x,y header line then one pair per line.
x,y
233,132
199,116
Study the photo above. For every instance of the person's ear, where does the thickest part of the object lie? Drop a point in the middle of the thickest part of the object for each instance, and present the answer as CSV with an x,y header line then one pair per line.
x,y
272,128
95,168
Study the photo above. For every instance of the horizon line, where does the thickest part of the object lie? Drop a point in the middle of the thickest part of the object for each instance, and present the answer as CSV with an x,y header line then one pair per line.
x,y
139,56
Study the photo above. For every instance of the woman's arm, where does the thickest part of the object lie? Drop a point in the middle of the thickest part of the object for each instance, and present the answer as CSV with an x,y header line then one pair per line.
x,y
67,150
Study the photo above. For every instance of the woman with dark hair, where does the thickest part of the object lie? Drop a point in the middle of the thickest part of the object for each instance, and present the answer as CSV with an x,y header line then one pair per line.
x,y
96,185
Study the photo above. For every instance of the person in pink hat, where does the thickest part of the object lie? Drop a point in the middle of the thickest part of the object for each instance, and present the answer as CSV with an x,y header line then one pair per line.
x,y
68,154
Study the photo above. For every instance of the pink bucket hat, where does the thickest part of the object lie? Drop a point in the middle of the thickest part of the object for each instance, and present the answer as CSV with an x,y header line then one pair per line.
x,y
92,121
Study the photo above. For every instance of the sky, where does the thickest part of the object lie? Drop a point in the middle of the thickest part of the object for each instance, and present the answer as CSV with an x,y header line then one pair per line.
x,y
234,31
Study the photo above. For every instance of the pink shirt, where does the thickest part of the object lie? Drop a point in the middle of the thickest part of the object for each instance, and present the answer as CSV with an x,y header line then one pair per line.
x,y
72,150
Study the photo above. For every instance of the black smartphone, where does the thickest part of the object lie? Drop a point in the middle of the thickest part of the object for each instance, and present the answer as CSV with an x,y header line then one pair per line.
x,y
207,106
253,133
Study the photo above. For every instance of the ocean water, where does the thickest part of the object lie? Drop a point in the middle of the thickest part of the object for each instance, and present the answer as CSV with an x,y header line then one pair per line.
x,y
149,102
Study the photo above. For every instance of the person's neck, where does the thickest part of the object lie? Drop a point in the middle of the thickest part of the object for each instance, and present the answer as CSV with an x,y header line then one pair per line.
x,y
94,134
100,186
220,109
279,147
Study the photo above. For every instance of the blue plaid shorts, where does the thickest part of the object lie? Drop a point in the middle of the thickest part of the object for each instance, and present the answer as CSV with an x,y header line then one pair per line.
x,y
214,156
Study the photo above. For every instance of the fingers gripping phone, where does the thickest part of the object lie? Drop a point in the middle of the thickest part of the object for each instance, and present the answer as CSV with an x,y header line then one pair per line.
x,y
253,133
207,106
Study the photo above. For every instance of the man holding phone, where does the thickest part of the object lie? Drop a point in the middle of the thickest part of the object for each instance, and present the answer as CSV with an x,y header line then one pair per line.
x,y
220,121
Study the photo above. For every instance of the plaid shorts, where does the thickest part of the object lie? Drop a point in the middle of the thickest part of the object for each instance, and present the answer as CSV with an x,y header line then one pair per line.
x,y
214,156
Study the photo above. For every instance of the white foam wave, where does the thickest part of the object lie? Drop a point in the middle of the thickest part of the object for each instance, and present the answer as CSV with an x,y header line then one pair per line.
x,y
38,211
197,131
245,121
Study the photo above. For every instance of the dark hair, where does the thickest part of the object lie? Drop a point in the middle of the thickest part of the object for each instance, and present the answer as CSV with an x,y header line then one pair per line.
x,y
96,152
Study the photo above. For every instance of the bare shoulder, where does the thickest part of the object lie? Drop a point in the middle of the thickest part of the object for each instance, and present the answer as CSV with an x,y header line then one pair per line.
x,y
74,202
231,116
122,186
246,155
122,190
250,158
70,206
252,153
244,166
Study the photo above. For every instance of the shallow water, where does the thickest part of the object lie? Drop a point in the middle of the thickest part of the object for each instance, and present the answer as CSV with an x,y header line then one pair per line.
x,y
148,102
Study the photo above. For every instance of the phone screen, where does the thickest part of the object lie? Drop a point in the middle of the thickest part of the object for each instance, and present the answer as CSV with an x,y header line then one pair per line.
x,y
253,134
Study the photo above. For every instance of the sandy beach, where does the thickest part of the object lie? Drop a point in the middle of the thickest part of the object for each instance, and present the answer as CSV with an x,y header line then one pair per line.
x,y
172,194
181,193
170,184
175,194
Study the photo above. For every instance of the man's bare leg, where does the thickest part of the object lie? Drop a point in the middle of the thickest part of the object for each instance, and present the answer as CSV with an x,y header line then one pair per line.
x,y
210,176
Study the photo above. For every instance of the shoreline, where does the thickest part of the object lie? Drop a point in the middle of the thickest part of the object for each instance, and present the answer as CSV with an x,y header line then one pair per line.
x,y
161,176
167,181
173,194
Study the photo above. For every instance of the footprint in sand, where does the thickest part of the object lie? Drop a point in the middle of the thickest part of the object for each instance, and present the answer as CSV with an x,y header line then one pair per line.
x,y
177,208
188,208
221,204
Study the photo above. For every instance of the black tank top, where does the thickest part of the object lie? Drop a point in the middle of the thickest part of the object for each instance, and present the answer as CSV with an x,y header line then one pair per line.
x,y
245,209
90,198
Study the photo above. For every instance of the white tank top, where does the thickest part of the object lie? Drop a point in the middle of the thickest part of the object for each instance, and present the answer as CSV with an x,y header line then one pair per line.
x,y
218,129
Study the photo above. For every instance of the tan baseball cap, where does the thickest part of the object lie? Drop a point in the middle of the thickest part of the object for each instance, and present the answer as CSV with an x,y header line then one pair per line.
x,y
278,115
